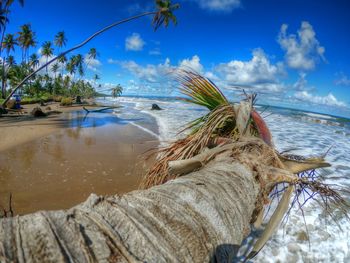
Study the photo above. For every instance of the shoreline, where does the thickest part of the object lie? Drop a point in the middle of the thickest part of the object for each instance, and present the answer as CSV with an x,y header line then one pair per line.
x,y
57,161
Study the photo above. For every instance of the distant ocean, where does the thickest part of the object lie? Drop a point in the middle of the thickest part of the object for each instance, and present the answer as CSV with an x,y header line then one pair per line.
x,y
305,133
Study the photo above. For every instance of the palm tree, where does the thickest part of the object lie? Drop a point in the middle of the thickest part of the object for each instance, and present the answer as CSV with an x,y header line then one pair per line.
x,y
60,40
55,67
117,91
26,40
10,60
165,14
96,77
78,62
8,44
70,67
162,14
47,51
62,60
92,53
4,11
34,60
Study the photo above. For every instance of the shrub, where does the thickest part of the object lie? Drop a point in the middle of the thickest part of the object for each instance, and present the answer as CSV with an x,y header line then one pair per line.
x,y
66,102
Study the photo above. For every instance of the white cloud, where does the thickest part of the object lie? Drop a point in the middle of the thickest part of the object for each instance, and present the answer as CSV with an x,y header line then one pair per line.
x,y
302,51
92,63
193,63
258,72
134,42
155,52
342,80
219,5
149,73
329,100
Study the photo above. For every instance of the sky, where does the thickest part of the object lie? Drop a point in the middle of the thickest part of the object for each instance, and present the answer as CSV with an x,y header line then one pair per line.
x,y
293,53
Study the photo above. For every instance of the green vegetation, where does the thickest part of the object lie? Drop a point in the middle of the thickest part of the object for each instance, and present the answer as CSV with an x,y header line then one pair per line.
x,y
62,79
66,102
117,91
161,16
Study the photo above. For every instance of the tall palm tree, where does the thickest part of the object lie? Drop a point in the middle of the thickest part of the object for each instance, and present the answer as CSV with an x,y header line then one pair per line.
x,y
55,67
62,60
117,91
78,62
4,11
10,60
161,15
26,40
70,67
96,77
34,60
93,53
8,44
60,40
47,51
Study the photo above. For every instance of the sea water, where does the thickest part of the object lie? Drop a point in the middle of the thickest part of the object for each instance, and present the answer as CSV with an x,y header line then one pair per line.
x,y
313,237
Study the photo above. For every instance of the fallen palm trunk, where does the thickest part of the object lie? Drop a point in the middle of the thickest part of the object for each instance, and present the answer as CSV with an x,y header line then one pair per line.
x,y
196,218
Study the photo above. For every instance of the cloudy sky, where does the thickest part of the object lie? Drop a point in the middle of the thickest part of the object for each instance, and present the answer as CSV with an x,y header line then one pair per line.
x,y
293,53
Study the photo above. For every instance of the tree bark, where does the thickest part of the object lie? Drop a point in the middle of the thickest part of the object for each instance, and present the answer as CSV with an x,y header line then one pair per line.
x,y
200,217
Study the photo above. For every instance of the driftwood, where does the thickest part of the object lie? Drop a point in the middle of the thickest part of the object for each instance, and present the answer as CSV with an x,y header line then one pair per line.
x,y
99,110
199,217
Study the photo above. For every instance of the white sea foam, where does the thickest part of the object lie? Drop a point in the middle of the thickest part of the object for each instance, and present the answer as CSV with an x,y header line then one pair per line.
x,y
327,242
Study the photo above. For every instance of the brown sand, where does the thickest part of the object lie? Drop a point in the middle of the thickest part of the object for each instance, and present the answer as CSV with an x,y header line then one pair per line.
x,y
19,128
50,163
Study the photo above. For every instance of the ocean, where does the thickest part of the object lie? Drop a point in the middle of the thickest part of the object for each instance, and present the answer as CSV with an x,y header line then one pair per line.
x,y
304,133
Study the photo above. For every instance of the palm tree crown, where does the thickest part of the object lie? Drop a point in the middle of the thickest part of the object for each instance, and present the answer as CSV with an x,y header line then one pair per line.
x,y
117,91
92,53
165,13
9,43
60,39
26,39
34,60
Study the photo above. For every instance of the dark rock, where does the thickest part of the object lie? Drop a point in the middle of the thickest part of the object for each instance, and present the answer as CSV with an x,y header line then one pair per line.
x,y
155,107
37,112
78,100
3,110
42,103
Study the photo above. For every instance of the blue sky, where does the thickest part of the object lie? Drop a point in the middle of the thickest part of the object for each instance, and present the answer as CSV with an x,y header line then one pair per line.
x,y
293,53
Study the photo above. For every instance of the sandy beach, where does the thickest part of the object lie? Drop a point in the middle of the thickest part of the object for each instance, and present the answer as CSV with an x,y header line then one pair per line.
x,y
55,162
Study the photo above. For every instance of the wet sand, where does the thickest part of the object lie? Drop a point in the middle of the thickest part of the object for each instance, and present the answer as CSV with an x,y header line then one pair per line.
x,y
70,157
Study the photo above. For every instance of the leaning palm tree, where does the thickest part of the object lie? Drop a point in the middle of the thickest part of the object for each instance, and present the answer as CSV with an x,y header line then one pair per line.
x,y
161,15
47,51
202,215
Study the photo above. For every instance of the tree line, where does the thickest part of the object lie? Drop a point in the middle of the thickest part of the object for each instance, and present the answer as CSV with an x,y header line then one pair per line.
x,y
63,78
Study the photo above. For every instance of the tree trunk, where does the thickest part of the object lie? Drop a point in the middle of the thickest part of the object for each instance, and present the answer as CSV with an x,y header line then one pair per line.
x,y
200,217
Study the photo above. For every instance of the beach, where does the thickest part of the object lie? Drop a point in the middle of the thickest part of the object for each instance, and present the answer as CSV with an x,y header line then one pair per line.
x,y
57,161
